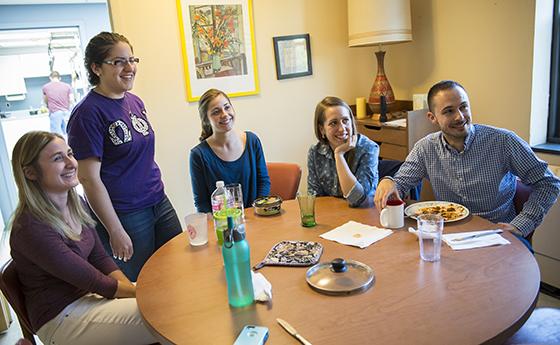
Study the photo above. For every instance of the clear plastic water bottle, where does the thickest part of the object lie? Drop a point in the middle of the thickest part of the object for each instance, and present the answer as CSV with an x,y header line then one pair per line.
x,y
219,210
237,264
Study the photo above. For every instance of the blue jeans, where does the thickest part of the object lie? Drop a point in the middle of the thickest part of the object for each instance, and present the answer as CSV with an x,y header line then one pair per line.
x,y
58,121
525,242
149,229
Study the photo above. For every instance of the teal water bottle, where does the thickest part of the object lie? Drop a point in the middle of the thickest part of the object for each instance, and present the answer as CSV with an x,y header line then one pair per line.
x,y
237,264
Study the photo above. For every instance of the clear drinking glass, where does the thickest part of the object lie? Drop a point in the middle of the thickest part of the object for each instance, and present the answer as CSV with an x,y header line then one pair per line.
x,y
234,195
430,230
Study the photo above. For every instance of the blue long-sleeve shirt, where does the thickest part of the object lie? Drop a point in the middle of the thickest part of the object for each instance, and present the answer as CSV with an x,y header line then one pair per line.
x,y
249,170
483,176
323,178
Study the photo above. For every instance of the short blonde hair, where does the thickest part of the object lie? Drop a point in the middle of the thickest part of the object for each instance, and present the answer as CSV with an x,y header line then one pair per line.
x,y
32,198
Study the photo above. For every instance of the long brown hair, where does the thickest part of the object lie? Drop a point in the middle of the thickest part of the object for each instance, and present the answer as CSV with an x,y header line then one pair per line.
x,y
31,196
203,104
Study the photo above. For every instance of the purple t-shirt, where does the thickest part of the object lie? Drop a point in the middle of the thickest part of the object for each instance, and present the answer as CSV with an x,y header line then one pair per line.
x,y
58,95
55,271
117,132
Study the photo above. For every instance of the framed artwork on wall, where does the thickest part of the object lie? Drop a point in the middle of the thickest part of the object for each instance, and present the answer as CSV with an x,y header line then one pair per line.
x,y
218,46
293,56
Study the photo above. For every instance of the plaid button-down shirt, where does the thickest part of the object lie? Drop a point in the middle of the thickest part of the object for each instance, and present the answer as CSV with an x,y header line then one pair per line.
x,y
483,176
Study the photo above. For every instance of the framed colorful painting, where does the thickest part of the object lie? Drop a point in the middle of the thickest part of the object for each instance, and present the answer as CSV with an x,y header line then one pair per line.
x,y
218,46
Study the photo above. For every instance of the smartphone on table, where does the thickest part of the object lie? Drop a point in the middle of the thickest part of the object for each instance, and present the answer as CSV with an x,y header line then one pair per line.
x,y
252,335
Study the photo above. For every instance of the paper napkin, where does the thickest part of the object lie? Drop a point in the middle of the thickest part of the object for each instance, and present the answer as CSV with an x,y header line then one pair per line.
x,y
356,234
262,288
479,242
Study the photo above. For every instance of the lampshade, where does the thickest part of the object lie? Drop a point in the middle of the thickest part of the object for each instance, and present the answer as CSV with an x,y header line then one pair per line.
x,y
377,22
372,22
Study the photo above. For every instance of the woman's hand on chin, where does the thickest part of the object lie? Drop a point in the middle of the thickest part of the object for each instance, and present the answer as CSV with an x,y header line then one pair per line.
x,y
347,146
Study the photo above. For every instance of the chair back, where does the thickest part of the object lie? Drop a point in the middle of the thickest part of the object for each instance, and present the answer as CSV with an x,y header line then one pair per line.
x,y
12,290
522,194
389,167
284,179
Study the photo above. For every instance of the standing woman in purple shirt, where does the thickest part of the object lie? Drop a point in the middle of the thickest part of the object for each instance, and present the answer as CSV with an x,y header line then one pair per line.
x,y
74,292
114,145
225,154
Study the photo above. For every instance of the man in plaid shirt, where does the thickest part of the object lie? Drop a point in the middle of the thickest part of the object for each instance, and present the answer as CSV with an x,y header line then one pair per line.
x,y
474,165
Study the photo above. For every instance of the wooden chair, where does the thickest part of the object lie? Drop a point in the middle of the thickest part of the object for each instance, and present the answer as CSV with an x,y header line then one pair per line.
x,y
389,167
522,193
284,179
11,288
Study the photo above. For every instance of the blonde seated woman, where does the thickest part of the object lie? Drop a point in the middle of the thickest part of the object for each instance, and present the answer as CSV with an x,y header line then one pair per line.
x,y
74,292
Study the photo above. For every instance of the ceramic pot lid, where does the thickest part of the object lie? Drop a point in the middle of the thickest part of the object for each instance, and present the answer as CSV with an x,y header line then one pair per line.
x,y
340,277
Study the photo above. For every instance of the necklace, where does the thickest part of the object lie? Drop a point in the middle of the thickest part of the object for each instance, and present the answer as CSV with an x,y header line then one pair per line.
x,y
139,124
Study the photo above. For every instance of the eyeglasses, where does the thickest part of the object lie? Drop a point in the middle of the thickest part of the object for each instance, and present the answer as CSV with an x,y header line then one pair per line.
x,y
121,62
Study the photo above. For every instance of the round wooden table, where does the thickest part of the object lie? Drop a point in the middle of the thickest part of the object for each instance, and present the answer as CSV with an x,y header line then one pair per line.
x,y
469,297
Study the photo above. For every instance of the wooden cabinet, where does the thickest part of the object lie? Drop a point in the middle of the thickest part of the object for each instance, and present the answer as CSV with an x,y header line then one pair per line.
x,y
35,65
396,142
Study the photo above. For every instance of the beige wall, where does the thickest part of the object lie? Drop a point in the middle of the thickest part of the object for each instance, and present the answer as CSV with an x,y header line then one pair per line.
x,y
486,45
282,114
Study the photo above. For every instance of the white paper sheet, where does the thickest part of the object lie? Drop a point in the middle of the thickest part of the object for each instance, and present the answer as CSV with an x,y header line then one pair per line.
x,y
356,234
478,242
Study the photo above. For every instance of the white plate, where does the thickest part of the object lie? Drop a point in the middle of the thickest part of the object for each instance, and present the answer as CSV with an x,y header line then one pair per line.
x,y
411,210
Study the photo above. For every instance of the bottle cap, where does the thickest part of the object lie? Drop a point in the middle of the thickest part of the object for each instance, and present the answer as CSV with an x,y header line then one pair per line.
x,y
220,184
233,233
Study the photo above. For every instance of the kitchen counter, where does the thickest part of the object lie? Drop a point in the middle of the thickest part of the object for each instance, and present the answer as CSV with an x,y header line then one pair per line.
x,y
22,115
17,124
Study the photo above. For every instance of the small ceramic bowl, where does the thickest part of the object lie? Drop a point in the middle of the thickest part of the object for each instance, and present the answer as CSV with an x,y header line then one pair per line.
x,y
267,205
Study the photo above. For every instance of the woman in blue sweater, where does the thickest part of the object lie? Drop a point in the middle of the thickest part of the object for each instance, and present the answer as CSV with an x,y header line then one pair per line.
x,y
225,154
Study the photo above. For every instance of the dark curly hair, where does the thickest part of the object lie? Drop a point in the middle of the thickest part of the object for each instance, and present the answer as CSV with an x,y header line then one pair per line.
x,y
98,49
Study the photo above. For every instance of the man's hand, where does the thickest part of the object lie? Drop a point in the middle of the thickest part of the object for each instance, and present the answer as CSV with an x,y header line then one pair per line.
x,y
385,189
510,228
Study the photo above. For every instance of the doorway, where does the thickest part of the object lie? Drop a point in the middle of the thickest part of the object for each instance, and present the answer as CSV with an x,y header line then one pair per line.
x,y
35,39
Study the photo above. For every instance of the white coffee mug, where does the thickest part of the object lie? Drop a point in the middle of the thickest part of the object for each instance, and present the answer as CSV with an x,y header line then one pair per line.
x,y
392,216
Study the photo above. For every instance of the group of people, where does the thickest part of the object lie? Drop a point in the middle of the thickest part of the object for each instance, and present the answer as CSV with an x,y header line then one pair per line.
x,y
77,261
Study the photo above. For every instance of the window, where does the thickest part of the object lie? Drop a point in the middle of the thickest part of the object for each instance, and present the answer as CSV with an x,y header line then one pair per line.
x,y
553,135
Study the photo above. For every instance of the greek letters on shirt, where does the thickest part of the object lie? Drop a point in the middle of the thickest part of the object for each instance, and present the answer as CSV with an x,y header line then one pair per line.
x,y
139,124
127,136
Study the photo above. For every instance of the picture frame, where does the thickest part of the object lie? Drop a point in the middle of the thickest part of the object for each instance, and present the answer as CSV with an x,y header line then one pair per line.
x,y
218,47
293,56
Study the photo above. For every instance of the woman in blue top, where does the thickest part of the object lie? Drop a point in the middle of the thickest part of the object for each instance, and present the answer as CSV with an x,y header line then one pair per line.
x,y
225,154
343,163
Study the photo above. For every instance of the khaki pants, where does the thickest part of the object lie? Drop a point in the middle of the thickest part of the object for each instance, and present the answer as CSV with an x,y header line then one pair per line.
x,y
93,319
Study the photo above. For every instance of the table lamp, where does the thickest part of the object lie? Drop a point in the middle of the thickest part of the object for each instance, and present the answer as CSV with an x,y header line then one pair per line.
x,y
378,22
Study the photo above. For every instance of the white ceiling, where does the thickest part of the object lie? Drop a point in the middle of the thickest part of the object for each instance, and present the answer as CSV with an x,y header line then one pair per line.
x,y
10,39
